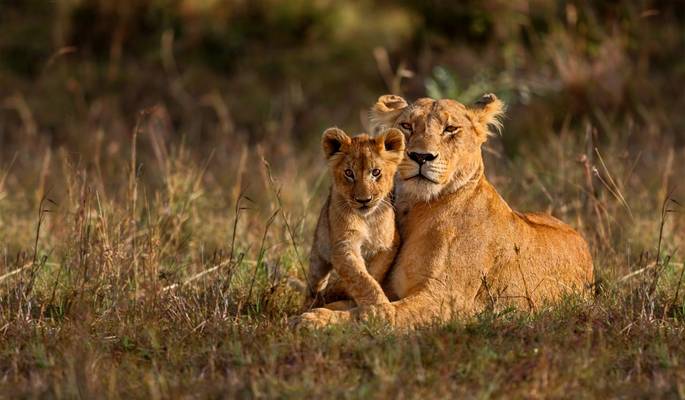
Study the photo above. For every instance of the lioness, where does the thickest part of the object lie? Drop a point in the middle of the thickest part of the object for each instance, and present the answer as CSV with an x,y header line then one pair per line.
x,y
463,248
356,234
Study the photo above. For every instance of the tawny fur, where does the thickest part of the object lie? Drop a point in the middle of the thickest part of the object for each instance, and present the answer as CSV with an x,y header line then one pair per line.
x,y
463,248
355,239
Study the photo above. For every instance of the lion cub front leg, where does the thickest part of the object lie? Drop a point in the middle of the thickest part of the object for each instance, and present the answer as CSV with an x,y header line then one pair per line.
x,y
359,283
378,267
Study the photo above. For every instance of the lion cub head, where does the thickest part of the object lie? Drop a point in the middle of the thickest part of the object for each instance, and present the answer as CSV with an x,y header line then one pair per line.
x,y
443,138
363,167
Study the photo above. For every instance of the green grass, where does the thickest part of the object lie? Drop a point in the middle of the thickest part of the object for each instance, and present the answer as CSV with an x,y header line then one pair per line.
x,y
593,350
97,314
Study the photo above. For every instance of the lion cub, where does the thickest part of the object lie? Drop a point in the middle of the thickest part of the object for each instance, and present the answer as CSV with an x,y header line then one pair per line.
x,y
356,233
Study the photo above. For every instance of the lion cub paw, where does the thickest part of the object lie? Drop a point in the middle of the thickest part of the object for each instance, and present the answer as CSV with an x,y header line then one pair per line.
x,y
318,318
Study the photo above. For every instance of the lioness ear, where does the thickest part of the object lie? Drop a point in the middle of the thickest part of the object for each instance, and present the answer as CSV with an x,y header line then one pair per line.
x,y
488,111
392,143
333,140
385,112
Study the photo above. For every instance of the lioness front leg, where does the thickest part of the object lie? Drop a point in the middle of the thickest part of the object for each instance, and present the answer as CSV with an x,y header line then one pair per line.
x,y
421,308
360,285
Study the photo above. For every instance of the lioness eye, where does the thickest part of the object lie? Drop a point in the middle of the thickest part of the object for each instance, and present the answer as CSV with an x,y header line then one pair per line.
x,y
406,125
349,173
376,172
451,128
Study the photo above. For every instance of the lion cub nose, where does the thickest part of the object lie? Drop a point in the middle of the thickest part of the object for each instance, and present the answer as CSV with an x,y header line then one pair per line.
x,y
363,201
422,158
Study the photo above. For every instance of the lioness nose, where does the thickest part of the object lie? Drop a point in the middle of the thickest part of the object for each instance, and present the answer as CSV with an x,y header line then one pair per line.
x,y
364,201
422,158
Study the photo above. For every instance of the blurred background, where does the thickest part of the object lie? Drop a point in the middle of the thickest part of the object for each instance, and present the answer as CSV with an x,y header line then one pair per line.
x,y
191,98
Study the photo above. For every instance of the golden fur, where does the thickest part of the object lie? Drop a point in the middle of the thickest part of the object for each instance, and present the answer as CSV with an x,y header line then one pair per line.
x,y
356,234
463,248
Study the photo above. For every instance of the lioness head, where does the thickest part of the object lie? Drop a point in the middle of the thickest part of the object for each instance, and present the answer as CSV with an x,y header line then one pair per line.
x,y
363,167
443,140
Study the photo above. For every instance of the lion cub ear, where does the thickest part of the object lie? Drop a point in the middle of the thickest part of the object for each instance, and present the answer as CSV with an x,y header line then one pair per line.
x,y
391,144
385,112
489,111
333,141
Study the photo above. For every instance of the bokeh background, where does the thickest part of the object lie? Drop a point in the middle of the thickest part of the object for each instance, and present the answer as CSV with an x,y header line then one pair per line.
x,y
225,78
143,142
231,82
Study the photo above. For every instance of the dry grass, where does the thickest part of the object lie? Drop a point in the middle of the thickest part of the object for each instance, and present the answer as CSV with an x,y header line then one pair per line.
x,y
146,253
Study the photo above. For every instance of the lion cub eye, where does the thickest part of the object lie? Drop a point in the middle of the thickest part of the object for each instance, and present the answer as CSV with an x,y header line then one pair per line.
x,y
376,172
349,173
406,126
451,128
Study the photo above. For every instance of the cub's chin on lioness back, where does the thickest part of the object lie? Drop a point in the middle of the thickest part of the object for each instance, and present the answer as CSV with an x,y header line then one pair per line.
x,y
356,235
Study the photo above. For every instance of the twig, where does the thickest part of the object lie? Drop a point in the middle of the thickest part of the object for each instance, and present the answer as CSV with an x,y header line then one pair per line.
x,y
680,282
613,188
6,174
662,223
592,201
644,269
41,216
201,274
392,79
59,53
16,271
262,250
637,272
133,192
143,115
238,208
529,300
